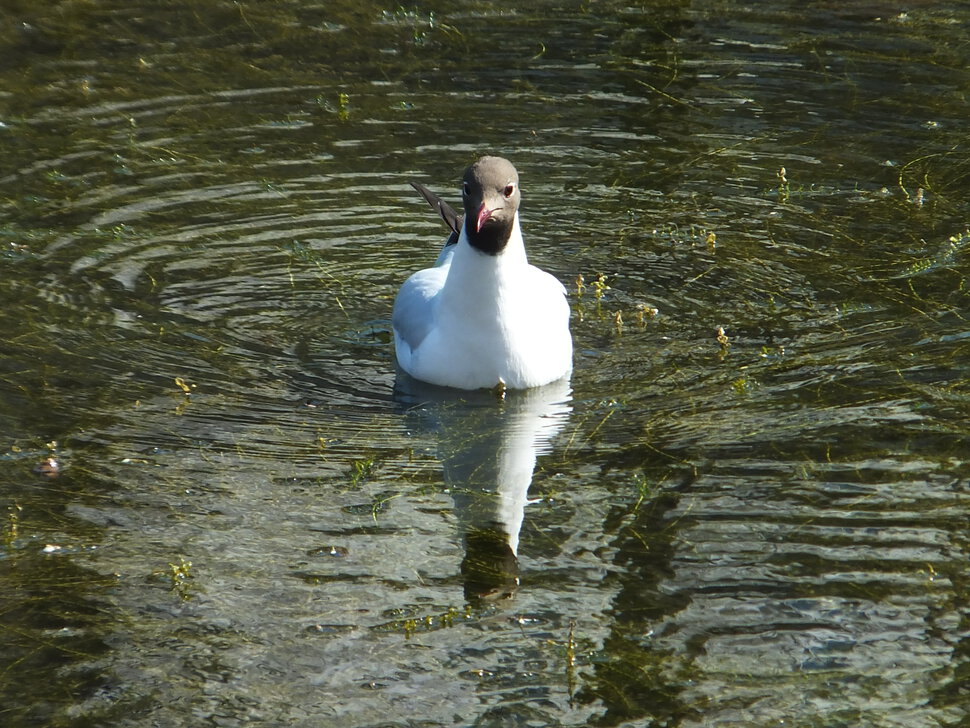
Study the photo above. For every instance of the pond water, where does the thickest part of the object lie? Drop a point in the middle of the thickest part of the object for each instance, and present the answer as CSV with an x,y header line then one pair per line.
x,y
748,507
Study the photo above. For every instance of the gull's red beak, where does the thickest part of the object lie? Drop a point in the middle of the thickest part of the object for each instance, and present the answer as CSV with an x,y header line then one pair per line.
x,y
483,214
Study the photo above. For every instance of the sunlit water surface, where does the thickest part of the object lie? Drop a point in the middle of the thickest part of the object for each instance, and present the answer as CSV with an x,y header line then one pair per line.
x,y
220,509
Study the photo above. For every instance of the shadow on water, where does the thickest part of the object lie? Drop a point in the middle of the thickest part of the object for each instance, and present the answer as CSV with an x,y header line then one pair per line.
x,y
747,507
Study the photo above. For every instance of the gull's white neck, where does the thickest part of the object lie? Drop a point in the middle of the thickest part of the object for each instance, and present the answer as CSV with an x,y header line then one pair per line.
x,y
482,293
473,271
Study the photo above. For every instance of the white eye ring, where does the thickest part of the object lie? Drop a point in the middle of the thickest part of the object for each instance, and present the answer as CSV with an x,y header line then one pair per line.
x,y
509,190
465,188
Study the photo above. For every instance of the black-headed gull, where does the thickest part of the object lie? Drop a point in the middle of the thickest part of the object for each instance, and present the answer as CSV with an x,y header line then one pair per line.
x,y
483,316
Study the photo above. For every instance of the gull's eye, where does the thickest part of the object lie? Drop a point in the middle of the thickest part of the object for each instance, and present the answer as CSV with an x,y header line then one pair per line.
x,y
509,190
465,189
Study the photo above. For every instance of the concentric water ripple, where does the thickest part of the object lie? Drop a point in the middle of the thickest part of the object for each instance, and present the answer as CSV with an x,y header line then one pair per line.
x,y
748,506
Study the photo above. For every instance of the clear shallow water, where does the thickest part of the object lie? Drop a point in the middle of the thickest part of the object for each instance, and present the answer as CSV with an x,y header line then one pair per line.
x,y
772,531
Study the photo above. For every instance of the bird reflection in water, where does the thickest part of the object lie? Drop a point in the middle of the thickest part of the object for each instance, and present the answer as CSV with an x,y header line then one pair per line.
x,y
488,447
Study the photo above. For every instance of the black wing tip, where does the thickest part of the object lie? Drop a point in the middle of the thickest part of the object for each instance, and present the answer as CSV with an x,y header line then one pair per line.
x,y
446,211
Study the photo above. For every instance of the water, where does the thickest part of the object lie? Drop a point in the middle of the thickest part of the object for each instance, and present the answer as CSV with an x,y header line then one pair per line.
x,y
205,217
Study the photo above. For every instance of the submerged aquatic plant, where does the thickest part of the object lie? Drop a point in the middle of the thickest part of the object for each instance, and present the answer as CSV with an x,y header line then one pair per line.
x,y
409,625
599,286
645,489
341,109
360,470
599,289
298,250
784,188
180,574
571,658
13,525
645,312
741,385
945,256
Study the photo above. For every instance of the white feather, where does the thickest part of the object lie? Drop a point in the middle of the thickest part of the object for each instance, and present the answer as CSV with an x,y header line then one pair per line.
x,y
475,320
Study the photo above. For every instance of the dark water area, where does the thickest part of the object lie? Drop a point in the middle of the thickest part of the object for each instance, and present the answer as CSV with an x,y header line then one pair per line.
x,y
748,507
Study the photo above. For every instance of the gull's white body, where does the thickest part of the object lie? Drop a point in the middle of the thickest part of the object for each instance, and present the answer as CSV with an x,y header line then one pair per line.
x,y
477,320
